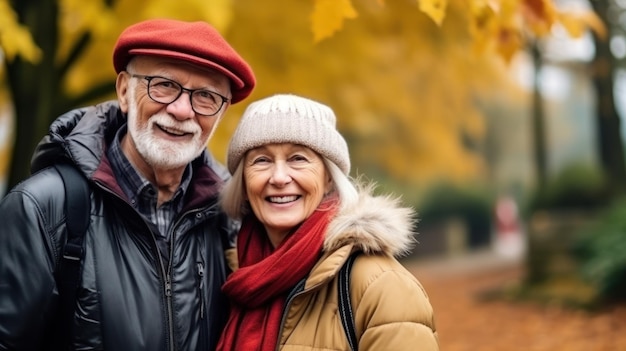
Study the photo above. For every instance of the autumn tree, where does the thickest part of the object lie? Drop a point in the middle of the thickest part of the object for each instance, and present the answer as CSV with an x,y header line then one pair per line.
x,y
378,74
505,27
405,77
405,90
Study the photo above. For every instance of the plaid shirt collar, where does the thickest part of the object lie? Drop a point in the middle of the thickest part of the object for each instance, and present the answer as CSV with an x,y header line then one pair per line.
x,y
141,193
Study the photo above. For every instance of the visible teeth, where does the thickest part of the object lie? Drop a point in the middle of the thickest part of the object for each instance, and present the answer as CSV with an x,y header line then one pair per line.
x,y
173,131
283,199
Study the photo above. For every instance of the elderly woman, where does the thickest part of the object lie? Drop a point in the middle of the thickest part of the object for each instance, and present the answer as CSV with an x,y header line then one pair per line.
x,y
302,218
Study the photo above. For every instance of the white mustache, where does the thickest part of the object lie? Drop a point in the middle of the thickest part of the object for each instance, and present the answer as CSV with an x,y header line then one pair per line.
x,y
167,122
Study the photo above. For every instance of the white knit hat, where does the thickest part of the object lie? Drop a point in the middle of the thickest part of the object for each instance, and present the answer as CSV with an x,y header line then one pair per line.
x,y
288,118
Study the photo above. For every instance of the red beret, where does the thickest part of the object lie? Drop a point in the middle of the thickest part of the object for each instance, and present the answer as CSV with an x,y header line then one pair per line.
x,y
195,42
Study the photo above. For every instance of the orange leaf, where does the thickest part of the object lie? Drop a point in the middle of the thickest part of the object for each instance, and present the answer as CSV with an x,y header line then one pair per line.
x,y
509,43
539,15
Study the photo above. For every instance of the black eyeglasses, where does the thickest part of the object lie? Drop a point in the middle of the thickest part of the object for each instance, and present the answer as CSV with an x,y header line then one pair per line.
x,y
165,91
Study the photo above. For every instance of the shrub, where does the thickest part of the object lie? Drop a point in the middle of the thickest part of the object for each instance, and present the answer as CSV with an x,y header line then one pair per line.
x,y
473,206
577,186
601,251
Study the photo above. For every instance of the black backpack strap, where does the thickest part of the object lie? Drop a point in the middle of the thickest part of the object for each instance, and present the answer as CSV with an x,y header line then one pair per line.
x,y
345,305
77,214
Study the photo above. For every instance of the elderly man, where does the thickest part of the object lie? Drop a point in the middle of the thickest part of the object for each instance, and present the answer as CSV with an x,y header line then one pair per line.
x,y
153,254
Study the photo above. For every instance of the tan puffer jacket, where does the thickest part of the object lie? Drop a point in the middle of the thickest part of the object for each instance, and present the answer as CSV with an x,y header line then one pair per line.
x,y
392,310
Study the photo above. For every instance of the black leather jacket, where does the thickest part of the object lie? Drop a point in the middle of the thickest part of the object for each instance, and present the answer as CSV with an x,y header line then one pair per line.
x,y
129,298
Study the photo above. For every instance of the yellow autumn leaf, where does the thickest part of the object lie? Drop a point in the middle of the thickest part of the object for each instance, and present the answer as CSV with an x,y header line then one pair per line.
x,y
435,9
509,43
483,24
577,23
18,41
477,6
328,16
15,39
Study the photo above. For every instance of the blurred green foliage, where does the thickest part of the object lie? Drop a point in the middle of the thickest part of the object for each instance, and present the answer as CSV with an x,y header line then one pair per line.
x,y
601,252
576,186
474,205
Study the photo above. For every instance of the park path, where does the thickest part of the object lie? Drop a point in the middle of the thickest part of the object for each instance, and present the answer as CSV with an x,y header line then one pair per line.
x,y
466,322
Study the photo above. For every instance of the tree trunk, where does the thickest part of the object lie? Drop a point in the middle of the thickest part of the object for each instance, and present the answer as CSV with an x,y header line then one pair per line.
x,y
538,118
608,121
37,89
33,87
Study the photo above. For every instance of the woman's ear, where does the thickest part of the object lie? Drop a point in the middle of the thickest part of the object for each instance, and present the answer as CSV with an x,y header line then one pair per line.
x,y
328,188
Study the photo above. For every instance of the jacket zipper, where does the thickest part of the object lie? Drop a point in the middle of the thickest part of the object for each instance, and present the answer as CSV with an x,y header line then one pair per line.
x,y
165,274
170,315
168,281
204,331
168,284
295,292
200,288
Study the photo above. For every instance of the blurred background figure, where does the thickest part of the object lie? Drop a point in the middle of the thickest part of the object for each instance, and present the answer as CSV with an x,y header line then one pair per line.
x,y
509,240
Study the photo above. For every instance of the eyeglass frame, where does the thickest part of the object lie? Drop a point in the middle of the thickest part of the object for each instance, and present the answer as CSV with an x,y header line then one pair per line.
x,y
149,78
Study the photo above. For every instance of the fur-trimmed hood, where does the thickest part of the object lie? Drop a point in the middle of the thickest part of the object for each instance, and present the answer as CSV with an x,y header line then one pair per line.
x,y
374,225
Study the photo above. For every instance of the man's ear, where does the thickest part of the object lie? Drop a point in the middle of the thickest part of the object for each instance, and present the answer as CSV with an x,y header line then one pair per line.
x,y
121,88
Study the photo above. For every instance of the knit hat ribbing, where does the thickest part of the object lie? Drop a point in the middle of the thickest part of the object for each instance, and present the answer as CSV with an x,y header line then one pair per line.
x,y
286,118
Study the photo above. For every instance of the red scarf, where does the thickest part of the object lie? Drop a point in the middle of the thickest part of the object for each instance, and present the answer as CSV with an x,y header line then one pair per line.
x,y
259,287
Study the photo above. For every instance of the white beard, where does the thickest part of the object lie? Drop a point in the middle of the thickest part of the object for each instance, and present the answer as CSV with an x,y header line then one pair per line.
x,y
158,152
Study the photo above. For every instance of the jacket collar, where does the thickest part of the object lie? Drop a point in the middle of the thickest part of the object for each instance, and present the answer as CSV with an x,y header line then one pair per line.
x,y
82,136
374,225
